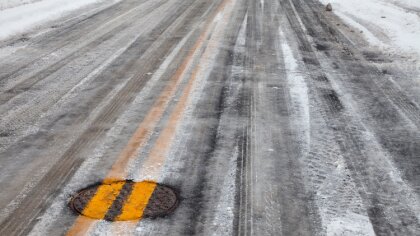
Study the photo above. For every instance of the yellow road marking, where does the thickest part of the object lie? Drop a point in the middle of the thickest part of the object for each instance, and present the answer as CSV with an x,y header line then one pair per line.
x,y
80,226
136,203
153,164
133,206
145,128
118,171
102,200
156,157
155,160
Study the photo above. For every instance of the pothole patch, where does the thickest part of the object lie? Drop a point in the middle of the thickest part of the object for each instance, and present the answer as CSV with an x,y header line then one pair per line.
x,y
125,200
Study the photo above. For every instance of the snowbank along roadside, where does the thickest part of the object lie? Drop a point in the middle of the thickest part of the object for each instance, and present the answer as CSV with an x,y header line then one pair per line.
x,y
389,24
21,16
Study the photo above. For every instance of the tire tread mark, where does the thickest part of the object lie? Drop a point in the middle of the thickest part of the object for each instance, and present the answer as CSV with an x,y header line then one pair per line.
x,y
348,138
40,75
20,222
64,32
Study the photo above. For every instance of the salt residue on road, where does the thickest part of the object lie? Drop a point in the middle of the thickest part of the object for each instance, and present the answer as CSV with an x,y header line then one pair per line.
x,y
298,93
384,22
32,13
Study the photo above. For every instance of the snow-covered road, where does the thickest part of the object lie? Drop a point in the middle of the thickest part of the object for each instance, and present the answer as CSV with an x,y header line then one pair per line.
x,y
270,117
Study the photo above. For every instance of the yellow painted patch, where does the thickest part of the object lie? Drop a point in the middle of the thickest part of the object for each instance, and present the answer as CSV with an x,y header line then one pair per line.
x,y
132,208
100,203
137,201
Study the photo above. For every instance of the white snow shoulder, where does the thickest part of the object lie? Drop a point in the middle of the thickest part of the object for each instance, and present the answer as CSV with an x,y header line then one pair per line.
x,y
397,20
19,16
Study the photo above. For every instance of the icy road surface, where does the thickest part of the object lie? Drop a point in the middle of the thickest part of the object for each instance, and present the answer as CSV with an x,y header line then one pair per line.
x,y
268,117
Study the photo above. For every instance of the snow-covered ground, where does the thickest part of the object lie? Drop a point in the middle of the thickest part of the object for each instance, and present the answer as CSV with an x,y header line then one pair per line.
x,y
391,24
19,16
14,3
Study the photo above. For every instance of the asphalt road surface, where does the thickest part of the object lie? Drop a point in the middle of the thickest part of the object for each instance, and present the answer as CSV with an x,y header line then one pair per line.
x,y
267,117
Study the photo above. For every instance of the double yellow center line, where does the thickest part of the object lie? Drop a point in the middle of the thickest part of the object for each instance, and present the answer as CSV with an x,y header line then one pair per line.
x,y
142,134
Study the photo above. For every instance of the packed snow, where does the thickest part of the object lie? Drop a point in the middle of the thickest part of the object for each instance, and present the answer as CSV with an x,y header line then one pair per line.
x,y
20,16
394,24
